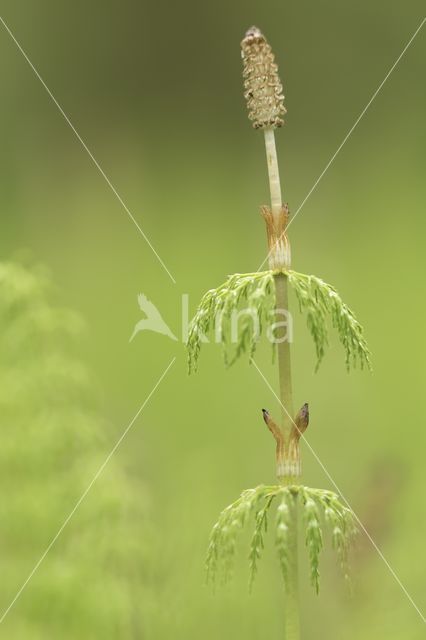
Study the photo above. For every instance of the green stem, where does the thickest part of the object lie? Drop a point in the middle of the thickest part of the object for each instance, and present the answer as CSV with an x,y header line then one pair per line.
x,y
292,624
273,171
281,291
292,620
283,351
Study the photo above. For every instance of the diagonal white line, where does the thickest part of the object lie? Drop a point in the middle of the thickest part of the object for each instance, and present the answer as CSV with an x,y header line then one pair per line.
x,y
357,121
92,482
351,130
343,497
90,154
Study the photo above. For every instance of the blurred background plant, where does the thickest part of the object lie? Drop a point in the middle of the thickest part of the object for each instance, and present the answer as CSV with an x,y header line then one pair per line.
x,y
53,441
172,138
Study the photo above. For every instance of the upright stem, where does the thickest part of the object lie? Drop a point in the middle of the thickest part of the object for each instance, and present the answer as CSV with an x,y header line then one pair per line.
x,y
273,172
283,352
281,291
292,620
292,623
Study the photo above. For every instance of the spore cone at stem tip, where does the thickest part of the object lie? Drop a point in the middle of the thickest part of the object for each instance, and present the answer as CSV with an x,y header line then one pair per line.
x,y
263,88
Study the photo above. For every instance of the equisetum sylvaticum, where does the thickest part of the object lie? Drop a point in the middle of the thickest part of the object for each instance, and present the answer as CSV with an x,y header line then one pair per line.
x,y
265,293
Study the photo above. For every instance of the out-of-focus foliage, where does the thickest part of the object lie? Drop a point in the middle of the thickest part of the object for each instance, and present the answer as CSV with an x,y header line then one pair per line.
x,y
53,441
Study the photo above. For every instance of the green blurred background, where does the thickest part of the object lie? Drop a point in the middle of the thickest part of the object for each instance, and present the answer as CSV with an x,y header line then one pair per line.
x,y
154,89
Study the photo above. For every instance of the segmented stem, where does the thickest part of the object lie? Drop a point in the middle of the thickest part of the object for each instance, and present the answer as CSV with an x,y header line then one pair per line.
x,y
292,615
292,622
273,172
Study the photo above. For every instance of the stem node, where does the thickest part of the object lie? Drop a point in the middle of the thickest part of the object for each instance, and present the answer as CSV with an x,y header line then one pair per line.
x,y
287,453
278,243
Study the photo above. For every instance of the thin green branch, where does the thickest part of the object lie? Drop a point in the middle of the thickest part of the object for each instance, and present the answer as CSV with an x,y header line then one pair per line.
x,y
218,312
317,506
244,307
320,300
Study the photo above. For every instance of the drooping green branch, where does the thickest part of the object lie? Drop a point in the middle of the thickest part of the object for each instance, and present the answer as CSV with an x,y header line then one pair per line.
x,y
237,312
320,300
222,545
243,308
319,507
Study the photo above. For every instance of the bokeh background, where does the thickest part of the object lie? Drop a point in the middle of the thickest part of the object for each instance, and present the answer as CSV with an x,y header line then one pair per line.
x,y
154,90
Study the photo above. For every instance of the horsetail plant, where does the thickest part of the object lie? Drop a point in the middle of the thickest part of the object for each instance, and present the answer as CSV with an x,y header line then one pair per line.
x,y
263,297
